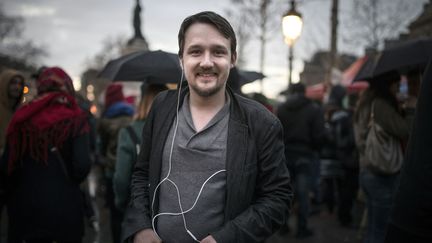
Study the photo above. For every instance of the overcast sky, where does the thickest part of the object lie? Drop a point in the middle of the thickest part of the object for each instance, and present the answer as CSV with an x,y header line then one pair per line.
x,y
74,30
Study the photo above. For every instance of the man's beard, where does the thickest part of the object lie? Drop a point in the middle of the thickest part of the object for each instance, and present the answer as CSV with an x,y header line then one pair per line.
x,y
207,92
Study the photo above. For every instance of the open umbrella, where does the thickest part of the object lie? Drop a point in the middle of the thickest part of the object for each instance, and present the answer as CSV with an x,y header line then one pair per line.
x,y
238,78
249,76
158,66
244,77
404,57
365,73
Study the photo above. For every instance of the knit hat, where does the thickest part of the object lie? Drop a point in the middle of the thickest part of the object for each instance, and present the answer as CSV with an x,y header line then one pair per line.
x,y
54,79
113,94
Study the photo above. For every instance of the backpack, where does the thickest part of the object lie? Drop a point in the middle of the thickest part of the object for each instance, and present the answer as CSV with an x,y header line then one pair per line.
x,y
341,130
135,140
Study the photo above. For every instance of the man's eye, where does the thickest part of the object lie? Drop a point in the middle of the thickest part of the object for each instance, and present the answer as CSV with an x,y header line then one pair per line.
x,y
195,52
220,52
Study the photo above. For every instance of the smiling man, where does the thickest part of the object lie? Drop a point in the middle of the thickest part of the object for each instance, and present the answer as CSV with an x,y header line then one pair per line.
x,y
212,165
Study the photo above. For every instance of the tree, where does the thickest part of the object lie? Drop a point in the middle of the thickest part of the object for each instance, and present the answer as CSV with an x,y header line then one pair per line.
x,y
255,16
238,18
371,22
12,43
112,48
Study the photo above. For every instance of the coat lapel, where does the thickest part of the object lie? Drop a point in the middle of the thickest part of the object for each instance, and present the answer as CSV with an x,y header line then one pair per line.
x,y
236,153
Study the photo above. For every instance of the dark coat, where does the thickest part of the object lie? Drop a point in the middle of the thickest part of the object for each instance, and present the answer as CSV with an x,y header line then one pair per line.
x,y
42,202
258,194
303,124
411,217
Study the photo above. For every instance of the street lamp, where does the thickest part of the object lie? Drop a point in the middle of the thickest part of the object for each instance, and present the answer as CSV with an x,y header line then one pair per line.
x,y
292,24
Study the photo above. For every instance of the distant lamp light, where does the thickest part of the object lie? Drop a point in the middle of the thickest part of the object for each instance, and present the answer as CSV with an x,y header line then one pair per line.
x,y
93,109
26,90
90,96
292,25
90,88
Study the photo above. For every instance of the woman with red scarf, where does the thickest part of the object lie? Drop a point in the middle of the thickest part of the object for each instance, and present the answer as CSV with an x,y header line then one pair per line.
x,y
45,160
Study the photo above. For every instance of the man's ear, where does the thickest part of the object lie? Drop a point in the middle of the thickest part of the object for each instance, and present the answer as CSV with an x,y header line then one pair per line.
x,y
233,59
181,63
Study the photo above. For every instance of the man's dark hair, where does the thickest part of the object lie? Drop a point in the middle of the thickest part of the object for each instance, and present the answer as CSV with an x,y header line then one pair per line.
x,y
207,17
298,88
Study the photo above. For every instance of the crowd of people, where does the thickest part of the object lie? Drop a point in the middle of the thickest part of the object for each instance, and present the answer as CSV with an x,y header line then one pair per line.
x,y
201,163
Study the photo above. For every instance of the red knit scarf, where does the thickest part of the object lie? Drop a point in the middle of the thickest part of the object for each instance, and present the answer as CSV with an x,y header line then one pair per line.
x,y
46,121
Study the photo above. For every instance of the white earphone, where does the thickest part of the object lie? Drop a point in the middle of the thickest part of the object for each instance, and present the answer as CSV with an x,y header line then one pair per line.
x,y
166,178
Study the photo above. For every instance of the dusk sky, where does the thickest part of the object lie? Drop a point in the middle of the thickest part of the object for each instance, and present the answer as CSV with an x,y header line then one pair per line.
x,y
73,31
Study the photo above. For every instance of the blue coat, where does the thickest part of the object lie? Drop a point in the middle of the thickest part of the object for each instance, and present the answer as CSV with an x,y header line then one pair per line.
x,y
259,193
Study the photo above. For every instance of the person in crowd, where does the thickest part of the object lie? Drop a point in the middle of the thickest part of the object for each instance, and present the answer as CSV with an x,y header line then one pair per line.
x,y
340,148
303,126
11,96
128,146
211,166
89,191
116,115
45,160
379,189
262,99
411,216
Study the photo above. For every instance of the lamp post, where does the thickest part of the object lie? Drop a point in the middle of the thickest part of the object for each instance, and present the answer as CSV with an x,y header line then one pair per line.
x,y
292,24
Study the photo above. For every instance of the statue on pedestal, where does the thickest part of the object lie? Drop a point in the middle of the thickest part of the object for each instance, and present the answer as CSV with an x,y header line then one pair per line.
x,y
137,21
138,42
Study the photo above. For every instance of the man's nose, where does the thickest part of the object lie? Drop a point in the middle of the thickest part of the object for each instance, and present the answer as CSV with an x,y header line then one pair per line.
x,y
207,60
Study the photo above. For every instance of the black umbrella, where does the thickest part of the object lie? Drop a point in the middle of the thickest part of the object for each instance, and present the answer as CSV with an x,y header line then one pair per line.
x,y
157,66
249,76
365,73
404,57
238,78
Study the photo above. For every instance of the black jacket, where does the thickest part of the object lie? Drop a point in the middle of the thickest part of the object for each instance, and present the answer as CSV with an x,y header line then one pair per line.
x,y
45,200
258,194
412,210
303,124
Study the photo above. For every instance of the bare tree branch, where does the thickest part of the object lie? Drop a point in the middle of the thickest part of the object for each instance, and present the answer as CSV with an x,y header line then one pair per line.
x,y
111,48
371,22
12,43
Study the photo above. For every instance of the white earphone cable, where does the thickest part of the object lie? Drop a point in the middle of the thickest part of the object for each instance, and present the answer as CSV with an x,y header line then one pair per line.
x,y
166,178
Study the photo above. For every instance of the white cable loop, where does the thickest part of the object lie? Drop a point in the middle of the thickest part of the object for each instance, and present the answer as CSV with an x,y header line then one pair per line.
x,y
166,178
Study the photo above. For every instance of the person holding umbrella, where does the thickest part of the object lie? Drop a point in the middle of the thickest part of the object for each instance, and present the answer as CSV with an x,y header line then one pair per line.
x,y
380,99
211,166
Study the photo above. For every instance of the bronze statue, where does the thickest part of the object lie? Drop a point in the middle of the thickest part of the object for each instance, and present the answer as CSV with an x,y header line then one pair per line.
x,y
137,21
